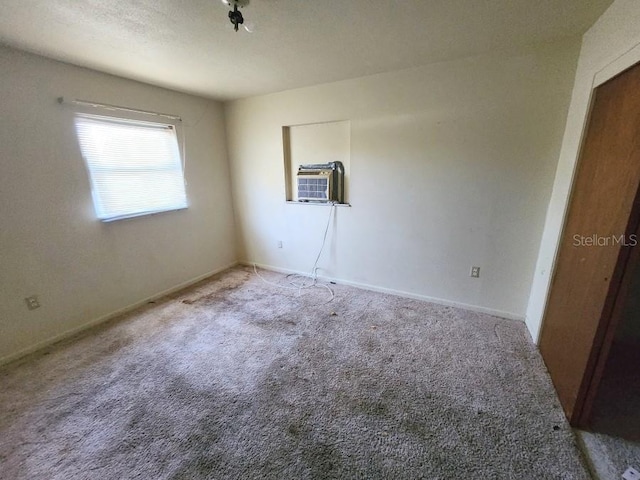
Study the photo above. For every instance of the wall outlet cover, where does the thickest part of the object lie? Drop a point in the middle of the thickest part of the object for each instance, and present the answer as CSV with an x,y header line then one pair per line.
x,y
631,474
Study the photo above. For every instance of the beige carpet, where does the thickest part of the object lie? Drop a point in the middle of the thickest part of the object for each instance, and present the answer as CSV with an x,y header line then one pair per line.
x,y
238,379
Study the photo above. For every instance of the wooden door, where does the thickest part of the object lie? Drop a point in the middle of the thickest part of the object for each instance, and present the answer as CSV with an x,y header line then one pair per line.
x,y
619,295
591,261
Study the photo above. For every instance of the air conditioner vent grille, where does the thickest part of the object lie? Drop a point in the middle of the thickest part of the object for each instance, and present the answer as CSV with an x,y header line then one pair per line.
x,y
313,188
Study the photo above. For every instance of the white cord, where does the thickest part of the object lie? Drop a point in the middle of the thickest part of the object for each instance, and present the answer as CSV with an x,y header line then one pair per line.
x,y
313,276
314,271
298,288
255,269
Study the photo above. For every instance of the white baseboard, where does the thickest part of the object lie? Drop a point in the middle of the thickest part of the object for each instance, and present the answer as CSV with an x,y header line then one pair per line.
x,y
97,321
398,293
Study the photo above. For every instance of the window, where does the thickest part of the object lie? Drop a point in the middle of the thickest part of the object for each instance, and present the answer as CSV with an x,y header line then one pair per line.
x,y
134,167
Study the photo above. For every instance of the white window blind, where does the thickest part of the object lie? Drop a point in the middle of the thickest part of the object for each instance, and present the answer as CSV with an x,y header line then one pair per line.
x,y
134,167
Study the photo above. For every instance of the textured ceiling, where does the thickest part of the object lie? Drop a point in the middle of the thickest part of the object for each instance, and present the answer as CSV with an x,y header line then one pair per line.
x,y
189,45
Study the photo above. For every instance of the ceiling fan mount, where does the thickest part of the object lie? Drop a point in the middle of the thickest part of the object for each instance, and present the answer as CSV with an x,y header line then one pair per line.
x,y
235,15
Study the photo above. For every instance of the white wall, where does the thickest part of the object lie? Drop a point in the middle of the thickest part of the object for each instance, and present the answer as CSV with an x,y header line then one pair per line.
x,y
50,242
609,47
451,166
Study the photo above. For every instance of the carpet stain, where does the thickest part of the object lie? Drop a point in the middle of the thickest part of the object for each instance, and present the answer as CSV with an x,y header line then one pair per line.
x,y
220,291
323,460
236,379
118,345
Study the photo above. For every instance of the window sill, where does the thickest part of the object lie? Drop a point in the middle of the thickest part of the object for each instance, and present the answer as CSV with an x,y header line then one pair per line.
x,y
318,204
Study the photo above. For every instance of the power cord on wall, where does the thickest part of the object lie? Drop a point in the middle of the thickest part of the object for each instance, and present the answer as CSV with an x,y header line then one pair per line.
x,y
302,283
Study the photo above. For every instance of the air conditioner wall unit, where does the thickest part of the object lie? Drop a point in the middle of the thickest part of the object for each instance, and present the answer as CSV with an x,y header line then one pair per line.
x,y
321,182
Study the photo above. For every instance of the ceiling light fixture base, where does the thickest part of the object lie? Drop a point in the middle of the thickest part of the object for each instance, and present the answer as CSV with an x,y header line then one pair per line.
x,y
235,15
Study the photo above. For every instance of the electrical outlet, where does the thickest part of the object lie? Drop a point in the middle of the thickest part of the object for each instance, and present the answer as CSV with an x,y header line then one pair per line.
x,y
631,474
279,243
32,302
475,272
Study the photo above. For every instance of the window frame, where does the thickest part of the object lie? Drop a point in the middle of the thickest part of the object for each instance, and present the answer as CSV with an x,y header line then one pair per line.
x,y
176,157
